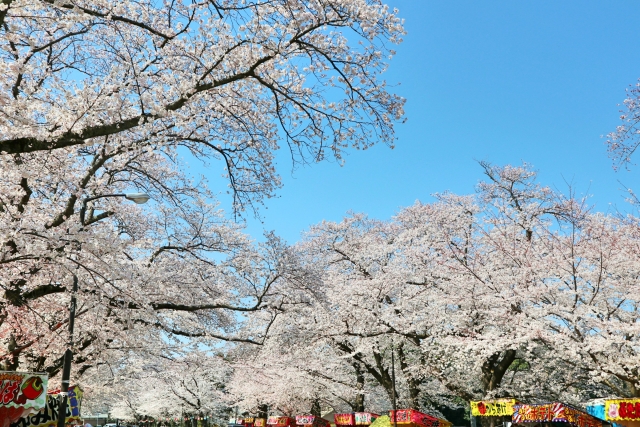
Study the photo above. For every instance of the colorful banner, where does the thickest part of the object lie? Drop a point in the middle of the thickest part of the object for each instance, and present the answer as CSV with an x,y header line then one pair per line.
x,y
622,410
492,408
344,419
280,421
365,418
48,416
553,412
23,390
305,420
21,394
260,422
411,416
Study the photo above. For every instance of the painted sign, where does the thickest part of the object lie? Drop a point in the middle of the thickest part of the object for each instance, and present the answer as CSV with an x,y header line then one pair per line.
x,y
21,394
280,421
553,412
23,390
622,410
344,419
411,416
305,420
48,416
260,422
492,408
365,418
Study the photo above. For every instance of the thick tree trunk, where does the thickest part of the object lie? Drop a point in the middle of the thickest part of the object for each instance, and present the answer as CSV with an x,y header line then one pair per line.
x,y
263,411
315,408
494,368
358,403
413,383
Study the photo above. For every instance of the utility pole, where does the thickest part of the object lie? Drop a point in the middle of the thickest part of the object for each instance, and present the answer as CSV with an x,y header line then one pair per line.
x,y
68,355
393,380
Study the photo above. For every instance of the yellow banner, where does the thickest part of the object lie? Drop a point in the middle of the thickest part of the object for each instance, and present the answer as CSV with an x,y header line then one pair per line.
x,y
622,409
492,408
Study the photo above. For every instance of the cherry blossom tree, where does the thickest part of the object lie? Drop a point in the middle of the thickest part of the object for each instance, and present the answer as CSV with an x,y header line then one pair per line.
x,y
101,98
624,141
454,287
224,79
592,300
181,271
161,385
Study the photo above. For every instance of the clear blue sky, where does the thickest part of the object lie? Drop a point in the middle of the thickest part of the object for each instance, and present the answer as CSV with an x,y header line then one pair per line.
x,y
503,81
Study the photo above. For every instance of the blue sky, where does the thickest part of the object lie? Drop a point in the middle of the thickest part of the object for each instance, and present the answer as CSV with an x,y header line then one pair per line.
x,y
502,81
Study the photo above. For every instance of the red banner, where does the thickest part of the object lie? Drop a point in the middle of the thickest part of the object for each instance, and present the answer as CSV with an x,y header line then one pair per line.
x,y
411,416
344,419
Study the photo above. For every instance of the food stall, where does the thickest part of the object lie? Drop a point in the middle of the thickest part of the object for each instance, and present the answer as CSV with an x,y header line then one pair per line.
x,y
311,421
355,419
345,420
365,418
23,393
413,418
492,410
624,412
552,413
275,421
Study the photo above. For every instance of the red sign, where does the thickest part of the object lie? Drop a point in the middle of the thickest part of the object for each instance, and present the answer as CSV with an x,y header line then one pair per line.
x,y
344,419
411,416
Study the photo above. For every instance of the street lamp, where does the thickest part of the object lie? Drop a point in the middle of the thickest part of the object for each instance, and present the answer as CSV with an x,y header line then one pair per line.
x,y
138,198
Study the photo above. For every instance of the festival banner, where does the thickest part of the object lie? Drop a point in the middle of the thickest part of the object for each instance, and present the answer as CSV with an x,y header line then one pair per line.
x,y
302,420
48,416
260,422
554,412
344,419
365,418
306,420
280,421
413,417
21,394
492,408
622,409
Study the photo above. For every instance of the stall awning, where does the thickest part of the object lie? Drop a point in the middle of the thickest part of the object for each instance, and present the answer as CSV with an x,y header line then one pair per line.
x,y
348,419
280,421
554,412
413,418
355,418
311,420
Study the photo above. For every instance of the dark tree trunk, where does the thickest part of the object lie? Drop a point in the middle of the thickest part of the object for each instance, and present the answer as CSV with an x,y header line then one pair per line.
x,y
315,408
413,383
358,403
494,368
263,411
